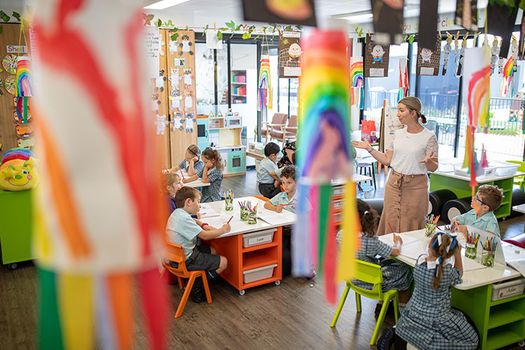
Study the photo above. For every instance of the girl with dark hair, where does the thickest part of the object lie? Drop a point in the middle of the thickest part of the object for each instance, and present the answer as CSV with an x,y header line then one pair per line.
x,y
211,173
412,154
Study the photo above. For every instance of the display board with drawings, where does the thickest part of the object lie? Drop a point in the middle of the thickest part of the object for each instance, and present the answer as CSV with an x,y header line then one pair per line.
x,y
389,124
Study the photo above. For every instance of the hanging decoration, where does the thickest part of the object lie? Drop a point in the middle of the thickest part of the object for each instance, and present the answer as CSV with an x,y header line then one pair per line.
x,y
459,63
356,73
265,95
91,101
23,77
10,84
446,53
428,59
476,84
467,14
403,78
508,73
280,11
290,52
428,19
376,58
9,63
495,55
324,145
500,21
388,21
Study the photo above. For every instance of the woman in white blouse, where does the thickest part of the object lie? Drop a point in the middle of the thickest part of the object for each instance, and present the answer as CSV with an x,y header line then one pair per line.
x,y
411,155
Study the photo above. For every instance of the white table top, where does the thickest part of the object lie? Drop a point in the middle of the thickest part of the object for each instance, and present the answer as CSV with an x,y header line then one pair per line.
x,y
215,215
479,179
519,208
196,183
473,275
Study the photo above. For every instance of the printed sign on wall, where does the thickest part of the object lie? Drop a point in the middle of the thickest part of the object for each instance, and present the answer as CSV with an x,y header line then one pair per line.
x,y
290,55
376,58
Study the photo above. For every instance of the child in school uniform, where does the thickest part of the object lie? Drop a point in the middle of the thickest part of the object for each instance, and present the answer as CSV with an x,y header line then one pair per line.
x,y
284,200
428,321
211,173
190,164
268,173
183,229
172,183
396,275
487,199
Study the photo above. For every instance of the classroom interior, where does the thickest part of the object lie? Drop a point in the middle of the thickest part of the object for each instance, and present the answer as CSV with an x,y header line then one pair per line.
x,y
221,79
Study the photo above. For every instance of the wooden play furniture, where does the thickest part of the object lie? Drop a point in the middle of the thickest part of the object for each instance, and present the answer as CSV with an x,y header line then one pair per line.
x,y
175,253
369,273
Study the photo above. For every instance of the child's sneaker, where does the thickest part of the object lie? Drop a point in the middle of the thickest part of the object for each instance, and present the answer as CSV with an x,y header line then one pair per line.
x,y
198,295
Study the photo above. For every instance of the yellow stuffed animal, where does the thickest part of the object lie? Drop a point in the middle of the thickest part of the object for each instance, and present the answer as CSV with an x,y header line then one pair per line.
x,y
17,171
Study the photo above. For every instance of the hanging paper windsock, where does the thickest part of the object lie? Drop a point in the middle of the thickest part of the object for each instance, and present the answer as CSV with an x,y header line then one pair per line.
x,y
265,95
476,83
324,154
23,77
98,219
403,79
357,74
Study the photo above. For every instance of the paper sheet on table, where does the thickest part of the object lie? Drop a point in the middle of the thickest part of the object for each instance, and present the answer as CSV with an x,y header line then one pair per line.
x,y
518,265
512,252
208,212
406,239
469,264
217,221
413,249
273,218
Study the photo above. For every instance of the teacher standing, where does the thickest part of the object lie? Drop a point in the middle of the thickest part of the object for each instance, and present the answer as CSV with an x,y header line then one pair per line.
x,y
411,155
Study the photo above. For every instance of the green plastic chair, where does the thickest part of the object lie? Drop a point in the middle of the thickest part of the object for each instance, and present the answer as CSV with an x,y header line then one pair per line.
x,y
370,273
519,180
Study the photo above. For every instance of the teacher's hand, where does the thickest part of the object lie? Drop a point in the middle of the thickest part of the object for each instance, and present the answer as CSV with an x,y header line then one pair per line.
x,y
362,145
429,160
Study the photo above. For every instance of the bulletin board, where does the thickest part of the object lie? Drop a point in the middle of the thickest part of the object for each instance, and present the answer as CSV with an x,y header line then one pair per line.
x,y
10,39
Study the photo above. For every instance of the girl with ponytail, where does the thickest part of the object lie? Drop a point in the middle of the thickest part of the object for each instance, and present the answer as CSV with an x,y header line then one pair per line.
x,y
428,321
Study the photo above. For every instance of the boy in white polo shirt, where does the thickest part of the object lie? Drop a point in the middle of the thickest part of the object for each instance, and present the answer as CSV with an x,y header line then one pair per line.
x,y
268,173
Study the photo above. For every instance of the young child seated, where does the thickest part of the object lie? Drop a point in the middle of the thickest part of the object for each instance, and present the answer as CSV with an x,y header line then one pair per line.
x,y
428,321
187,232
286,199
190,164
172,183
487,199
396,275
212,174
268,173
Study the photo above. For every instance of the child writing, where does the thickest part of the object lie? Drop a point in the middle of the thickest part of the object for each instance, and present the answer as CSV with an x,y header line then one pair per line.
x,y
172,183
186,231
286,199
268,173
396,275
212,174
487,199
191,163
428,321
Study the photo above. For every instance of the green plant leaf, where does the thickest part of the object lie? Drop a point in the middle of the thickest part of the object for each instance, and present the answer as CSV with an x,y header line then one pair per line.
x,y
288,28
231,25
170,23
219,35
17,16
174,37
411,38
246,36
159,23
4,16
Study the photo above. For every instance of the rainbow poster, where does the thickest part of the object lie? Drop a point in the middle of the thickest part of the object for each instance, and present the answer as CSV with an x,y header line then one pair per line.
x,y
23,77
265,92
476,84
357,80
98,211
324,155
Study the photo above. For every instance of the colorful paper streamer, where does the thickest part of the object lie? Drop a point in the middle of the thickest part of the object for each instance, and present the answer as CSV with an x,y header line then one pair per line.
x,y
357,74
23,77
265,95
403,78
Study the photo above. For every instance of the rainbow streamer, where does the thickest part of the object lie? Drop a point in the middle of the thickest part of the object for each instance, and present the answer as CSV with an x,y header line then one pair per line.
x,y
324,154
23,77
265,95
96,228
357,77
477,78
508,74
403,79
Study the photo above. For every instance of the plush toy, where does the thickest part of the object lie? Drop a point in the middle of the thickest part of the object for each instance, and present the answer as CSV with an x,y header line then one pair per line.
x,y
17,171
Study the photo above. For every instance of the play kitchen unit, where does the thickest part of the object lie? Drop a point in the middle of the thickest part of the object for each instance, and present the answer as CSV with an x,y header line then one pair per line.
x,y
227,135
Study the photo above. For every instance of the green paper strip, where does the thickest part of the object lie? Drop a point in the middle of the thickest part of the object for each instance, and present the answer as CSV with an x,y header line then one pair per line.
x,y
49,329
325,194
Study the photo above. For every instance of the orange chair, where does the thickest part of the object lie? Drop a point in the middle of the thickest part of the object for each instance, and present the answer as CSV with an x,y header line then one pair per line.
x,y
175,253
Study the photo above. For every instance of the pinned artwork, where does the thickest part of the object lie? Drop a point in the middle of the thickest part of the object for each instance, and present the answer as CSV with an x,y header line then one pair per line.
x,y
446,54
9,63
357,80
22,109
428,18
324,144
10,84
27,143
521,49
403,78
467,14
290,52
460,56
161,124
188,80
23,77
17,170
376,58
388,21
23,130
189,123
265,93
280,11
494,55
428,59
188,102
185,45
1,86
177,121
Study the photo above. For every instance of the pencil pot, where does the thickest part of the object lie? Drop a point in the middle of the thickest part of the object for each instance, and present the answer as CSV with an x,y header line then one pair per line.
x,y
471,251
228,204
252,217
487,258
430,229
244,214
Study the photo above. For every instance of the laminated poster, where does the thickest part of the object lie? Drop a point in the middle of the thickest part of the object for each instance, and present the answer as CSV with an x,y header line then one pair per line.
x,y
388,21
280,11
428,59
467,14
290,55
376,59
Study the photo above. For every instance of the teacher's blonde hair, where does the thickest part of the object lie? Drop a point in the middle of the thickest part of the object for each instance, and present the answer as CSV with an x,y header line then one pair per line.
x,y
414,104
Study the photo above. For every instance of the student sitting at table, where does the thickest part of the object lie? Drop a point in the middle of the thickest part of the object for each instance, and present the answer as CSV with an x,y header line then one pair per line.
x,y
429,321
172,183
212,174
187,232
191,163
396,275
268,173
487,199
286,199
